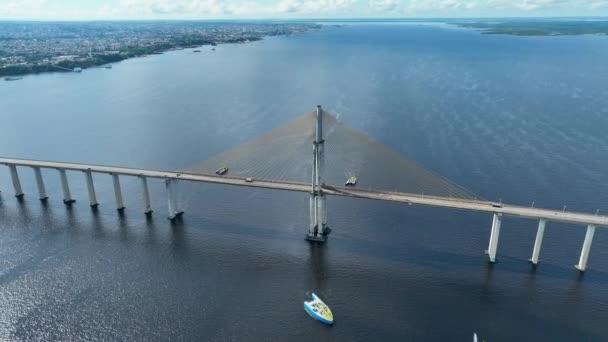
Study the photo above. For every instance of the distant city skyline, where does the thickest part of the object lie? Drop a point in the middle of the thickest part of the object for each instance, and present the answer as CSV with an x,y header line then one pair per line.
x,y
292,9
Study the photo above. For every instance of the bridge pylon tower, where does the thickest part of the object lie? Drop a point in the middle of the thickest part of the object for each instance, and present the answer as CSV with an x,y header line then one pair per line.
x,y
318,229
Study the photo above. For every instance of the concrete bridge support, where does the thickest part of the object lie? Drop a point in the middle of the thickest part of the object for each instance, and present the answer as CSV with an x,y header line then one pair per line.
x,y
146,195
16,181
171,199
318,229
118,192
582,262
538,242
323,214
67,195
40,183
91,189
493,245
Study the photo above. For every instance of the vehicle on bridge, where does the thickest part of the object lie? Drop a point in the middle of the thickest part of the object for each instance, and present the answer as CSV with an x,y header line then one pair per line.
x,y
352,180
222,170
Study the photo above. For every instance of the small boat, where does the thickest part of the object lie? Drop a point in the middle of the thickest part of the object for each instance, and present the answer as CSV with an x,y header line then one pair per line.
x,y
222,170
319,310
196,51
352,180
8,79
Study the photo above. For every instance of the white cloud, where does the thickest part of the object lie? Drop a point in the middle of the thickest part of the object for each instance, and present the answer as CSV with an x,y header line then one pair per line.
x,y
311,6
179,8
21,7
529,5
441,5
497,5
201,9
384,5
41,9
219,8
599,4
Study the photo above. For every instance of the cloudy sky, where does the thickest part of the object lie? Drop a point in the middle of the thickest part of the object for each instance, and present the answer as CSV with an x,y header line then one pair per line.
x,y
235,9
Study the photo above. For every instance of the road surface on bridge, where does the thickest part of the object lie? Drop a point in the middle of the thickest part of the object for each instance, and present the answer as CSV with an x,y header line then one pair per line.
x,y
445,202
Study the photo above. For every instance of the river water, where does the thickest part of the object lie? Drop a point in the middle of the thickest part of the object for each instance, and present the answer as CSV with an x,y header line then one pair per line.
x,y
517,119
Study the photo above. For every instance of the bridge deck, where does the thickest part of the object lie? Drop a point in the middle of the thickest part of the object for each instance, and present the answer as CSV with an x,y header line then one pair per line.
x,y
475,205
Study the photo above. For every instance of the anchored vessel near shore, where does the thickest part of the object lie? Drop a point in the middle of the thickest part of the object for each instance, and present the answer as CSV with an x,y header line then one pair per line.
x,y
317,190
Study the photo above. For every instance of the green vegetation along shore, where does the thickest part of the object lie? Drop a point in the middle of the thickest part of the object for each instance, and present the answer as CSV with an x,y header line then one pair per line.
x,y
540,27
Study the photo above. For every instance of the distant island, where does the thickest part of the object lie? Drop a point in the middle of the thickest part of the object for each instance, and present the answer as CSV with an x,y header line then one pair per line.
x,y
36,47
538,27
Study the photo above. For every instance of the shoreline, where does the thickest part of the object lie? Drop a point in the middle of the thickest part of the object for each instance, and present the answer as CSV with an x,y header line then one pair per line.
x,y
527,28
99,61
102,60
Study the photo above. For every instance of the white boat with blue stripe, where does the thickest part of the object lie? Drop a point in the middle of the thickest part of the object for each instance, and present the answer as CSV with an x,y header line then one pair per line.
x,y
319,310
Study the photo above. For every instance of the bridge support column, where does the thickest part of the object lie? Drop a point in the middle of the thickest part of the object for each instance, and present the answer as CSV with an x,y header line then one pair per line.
x,y
146,195
493,245
582,262
318,229
171,199
117,193
91,189
323,213
538,242
313,220
16,181
67,196
40,183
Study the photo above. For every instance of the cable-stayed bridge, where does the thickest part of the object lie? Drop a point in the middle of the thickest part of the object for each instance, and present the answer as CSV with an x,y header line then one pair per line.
x,y
274,161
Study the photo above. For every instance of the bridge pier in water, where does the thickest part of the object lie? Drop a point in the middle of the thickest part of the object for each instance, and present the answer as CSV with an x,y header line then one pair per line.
x,y
582,262
538,242
174,212
120,206
318,229
146,195
40,184
67,195
170,184
16,181
91,189
494,234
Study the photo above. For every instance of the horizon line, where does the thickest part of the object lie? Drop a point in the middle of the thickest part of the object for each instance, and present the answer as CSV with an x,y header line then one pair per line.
x,y
433,18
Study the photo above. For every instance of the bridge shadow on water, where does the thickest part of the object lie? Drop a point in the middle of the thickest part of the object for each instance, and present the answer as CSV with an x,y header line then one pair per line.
x,y
318,266
100,224
448,261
